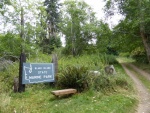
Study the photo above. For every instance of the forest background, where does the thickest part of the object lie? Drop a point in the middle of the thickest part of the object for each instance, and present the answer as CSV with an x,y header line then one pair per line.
x,y
39,25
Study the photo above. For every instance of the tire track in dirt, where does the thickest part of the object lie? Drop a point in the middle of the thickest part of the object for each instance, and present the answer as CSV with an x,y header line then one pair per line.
x,y
140,71
143,94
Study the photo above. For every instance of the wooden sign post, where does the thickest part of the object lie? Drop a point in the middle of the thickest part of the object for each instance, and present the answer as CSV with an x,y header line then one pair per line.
x,y
22,60
34,73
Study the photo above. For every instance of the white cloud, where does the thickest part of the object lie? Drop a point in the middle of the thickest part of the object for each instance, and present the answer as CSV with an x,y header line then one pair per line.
x,y
97,6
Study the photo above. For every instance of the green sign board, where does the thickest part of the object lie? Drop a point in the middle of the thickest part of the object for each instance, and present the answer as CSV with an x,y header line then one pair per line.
x,y
38,73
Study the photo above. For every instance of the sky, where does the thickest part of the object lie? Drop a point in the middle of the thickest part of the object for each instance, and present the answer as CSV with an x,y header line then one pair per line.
x,y
98,6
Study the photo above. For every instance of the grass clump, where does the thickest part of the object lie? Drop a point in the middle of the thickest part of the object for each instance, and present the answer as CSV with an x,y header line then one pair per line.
x,y
108,59
102,83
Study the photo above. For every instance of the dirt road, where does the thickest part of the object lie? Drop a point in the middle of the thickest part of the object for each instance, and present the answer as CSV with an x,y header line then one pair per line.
x,y
143,93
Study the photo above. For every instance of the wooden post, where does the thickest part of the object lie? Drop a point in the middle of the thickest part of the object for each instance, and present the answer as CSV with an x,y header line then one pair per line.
x,y
22,59
16,84
55,61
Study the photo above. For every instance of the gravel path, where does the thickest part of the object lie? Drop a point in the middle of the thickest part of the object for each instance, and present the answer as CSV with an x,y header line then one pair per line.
x,y
143,94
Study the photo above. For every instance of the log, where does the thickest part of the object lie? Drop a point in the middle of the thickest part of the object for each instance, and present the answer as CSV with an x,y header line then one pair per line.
x,y
64,92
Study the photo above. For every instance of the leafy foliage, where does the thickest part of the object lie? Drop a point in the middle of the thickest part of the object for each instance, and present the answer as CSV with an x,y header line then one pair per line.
x,y
10,44
139,55
104,37
108,59
52,9
101,83
51,40
81,29
3,4
48,45
135,25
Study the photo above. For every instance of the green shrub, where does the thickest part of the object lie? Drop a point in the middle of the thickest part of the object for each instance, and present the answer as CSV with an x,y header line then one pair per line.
x,y
11,45
139,55
108,59
93,62
102,83
122,82
78,77
7,76
73,77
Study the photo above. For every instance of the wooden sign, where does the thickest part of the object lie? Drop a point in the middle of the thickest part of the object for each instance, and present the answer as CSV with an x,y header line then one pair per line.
x,y
38,73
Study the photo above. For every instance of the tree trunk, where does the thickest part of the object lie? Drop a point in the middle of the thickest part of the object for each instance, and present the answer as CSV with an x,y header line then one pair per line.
x,y
146,45
22,24
49,30
22,29
142,30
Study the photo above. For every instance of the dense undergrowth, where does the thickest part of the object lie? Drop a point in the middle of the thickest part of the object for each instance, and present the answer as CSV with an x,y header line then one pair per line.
x,y
105,93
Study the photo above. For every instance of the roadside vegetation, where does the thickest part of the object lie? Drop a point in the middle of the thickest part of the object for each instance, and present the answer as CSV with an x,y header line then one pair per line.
x,y
105,93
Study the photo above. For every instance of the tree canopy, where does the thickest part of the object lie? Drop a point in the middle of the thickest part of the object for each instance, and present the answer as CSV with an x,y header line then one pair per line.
x,y
42,25
134,29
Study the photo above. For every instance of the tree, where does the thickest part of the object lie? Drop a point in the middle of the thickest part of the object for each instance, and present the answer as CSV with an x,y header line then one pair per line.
x,y
77,26
10,45
125,33
21,17
104,37
52,9
137,13
3,4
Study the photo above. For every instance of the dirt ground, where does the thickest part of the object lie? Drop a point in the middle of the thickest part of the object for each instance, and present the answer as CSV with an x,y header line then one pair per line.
x,y
143,93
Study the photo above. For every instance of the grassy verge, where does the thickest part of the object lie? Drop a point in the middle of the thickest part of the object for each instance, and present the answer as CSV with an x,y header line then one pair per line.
x,y
41,101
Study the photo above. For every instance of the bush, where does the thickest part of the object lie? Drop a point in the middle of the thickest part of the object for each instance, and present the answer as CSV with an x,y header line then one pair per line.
x,y
7,76
139,55
10,44
78,77
102,83
122,82
73,77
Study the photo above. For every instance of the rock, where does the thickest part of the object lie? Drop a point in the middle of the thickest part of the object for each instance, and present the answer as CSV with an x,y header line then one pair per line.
x,y
110,70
